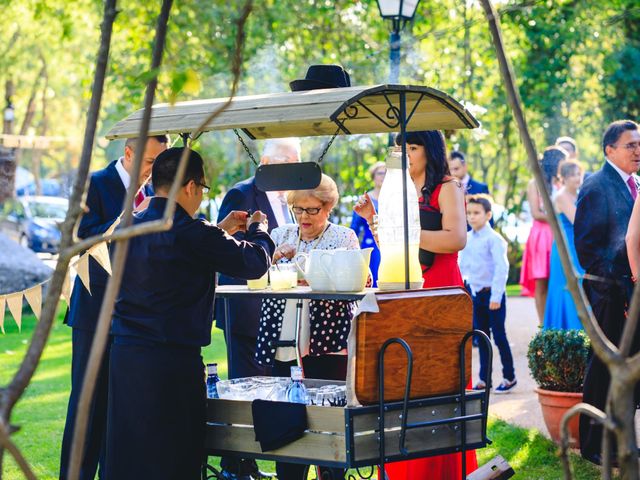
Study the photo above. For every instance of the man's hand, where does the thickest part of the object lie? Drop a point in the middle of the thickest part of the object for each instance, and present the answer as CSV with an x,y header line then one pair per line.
x,y
257,216
142,205
364,208
235,222
494,305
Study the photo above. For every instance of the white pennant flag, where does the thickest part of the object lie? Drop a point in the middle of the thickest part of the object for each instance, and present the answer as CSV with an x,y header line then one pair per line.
x,y
2,302
101,253
14,300
34,299
113,226
66,287
82,267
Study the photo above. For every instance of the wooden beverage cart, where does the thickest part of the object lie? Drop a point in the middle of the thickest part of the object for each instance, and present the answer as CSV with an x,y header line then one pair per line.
x,y
409,361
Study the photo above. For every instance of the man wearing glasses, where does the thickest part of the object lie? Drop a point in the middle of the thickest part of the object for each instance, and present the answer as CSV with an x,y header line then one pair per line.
x,y
162,318
244,314
604,206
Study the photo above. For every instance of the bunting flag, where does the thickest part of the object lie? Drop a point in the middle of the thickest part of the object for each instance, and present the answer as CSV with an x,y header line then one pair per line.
x,y
82,267
66,288
34,299
101,253
2,302
14,301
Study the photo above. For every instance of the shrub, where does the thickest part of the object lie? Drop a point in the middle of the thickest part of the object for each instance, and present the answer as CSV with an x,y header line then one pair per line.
x,y
558,359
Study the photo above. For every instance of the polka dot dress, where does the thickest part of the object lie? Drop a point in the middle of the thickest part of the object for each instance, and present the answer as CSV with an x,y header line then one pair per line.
x,y
330,320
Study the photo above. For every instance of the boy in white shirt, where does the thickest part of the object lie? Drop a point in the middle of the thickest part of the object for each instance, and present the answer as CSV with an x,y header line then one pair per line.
x,y
485,269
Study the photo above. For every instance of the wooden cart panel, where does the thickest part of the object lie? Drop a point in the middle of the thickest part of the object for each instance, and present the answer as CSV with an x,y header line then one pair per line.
x,y
433,323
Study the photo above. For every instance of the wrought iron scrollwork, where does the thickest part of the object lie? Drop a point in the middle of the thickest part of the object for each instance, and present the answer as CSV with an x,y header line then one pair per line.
x,y
363,476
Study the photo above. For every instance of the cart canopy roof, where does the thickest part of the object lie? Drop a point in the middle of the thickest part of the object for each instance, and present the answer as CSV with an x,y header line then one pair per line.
x,y
351,110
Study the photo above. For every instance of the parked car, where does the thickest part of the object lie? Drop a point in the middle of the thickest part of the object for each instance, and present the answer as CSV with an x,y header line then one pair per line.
x,y
34,221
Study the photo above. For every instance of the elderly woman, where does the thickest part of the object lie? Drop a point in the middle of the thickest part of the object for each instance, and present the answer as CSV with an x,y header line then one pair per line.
x,y
325,323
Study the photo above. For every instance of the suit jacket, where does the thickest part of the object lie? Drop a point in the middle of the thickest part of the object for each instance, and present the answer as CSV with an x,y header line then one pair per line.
x,y
168,282
104,201
602,216
244,315
474,187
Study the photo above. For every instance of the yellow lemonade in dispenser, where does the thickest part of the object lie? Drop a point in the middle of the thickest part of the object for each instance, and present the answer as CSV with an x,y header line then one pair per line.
x,y
391,268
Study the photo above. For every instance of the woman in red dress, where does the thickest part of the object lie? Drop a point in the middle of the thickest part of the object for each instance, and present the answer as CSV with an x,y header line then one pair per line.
x,y
438,193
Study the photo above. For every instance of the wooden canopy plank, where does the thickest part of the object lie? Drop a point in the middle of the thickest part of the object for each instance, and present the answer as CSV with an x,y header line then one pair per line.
x,y
360,110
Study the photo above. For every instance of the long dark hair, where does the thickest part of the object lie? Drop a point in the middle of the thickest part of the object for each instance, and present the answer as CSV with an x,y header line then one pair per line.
x,y
549,162
436,151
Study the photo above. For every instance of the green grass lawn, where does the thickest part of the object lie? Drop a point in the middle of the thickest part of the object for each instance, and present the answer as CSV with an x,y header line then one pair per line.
x,y
42,410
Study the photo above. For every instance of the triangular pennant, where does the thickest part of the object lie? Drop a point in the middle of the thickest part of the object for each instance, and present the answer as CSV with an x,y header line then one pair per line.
x,y
66,288
34,299
14,301
82,267
101,253
112,227
2,302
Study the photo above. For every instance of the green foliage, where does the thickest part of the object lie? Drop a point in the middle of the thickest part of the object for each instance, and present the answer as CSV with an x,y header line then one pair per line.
x,y
558,359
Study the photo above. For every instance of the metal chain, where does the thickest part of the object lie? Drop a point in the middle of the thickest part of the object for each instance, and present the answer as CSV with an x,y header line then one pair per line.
x,y
326,149
246,148
253,159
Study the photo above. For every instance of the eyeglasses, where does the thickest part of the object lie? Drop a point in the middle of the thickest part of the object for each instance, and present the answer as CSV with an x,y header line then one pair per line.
x,y
309,211
205,188
629,146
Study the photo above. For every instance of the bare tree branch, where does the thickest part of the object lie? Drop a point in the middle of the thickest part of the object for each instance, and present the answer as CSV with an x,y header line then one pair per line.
x,y
6,442
121,251
10,394
620,406
113,286
585,409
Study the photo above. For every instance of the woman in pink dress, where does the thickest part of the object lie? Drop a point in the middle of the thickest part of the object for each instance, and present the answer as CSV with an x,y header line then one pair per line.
x,y
534,275
438,193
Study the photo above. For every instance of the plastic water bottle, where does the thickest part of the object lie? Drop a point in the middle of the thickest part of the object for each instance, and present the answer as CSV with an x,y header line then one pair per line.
x,y
296,391
391,273
212,380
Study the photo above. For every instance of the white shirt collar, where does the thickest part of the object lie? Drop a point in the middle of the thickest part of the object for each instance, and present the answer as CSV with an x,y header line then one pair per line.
x,y
625,176
482,231
465,180
124,175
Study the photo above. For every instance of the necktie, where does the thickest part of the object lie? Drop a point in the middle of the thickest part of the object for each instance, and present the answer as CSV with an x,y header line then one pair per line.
x,y
138,199
633,187
285,208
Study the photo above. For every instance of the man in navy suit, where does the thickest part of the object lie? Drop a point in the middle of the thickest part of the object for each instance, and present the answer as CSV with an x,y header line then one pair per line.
x,y
107,189
603,210
162,317
244,314
460,170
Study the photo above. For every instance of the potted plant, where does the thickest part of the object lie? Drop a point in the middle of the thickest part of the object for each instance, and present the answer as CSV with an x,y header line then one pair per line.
x,y
557,361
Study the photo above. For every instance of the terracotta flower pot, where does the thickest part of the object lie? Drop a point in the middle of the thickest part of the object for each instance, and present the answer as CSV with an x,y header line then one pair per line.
x,y
554,405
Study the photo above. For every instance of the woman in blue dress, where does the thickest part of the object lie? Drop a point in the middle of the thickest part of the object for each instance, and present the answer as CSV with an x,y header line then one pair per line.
x,y
360,225
560,311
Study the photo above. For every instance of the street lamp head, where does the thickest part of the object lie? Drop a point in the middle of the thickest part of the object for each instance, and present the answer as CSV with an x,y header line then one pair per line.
x,y
398,9
9,112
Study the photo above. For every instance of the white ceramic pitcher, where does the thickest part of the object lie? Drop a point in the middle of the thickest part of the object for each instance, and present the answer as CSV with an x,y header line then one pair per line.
x,y
347,270
313,271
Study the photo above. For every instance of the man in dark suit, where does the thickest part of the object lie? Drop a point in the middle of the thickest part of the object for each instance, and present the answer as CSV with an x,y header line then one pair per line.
x,y
460,170
244,314
107,189
162,318
602,216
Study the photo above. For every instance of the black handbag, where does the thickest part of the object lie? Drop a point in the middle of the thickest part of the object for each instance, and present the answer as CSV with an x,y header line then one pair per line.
x,y
432,221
